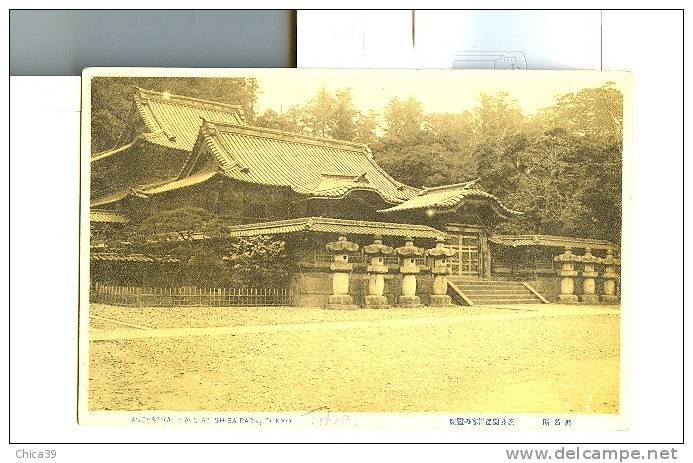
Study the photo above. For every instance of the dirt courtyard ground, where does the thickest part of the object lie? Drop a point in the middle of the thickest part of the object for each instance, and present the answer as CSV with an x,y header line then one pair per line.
x,y
534,359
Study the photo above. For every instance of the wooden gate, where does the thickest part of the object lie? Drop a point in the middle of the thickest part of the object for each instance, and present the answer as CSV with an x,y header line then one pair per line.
x,y
468,260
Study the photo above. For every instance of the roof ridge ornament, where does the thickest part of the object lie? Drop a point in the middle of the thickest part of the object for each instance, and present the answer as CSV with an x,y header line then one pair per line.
x,y
449,198
291,136
362,178
344,175
184,100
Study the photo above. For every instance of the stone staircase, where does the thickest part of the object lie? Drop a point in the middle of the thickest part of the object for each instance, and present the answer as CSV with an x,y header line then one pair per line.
x,y
491,292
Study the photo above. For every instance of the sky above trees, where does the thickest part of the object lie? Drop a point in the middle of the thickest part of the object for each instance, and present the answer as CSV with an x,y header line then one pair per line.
x,y
438,91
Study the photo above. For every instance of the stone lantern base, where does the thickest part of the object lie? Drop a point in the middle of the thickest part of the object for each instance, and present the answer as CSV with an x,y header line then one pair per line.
x,y
377,302
567,298
590,298
342,301
609,298
440,300
410,301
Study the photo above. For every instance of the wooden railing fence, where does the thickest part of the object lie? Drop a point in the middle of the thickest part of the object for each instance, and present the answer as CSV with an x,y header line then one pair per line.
x,y
187,296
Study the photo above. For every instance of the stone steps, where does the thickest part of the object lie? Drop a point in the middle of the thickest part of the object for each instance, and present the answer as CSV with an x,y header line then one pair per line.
x,y
509,302
495,292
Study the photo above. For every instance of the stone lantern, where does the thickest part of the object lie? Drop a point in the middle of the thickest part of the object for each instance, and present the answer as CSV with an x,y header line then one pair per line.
x,y
609,277
589,273
440,254
340,298
409,270
567,274
375,299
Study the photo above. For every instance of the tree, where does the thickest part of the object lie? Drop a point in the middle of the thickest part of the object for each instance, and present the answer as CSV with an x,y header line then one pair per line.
x,y
288,122
415,164
418,150
181,222
208,256
427,160
367,128
403,119
318,115
590,111
545,186
497,117
499,164
592,119
325,115
566,185
344,114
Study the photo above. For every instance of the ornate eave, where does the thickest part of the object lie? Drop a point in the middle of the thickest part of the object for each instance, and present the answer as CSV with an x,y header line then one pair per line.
x,y
335,226
449,199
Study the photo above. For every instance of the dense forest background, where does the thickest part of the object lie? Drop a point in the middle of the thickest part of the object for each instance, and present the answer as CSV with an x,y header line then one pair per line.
x,y
561,166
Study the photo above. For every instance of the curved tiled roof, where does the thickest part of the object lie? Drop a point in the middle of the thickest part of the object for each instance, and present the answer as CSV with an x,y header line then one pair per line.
x,y
448,198
338,185
311,166
551,241
338,226
174,120
308,165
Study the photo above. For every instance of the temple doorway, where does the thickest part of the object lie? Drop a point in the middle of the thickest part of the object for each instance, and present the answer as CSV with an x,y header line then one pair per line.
x,y
470,261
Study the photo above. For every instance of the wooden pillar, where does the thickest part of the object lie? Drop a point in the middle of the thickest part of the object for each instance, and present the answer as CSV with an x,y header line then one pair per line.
x,y
485,254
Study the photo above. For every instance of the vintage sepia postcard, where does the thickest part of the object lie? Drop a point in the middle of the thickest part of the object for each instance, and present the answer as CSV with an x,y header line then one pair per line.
x,y
357,248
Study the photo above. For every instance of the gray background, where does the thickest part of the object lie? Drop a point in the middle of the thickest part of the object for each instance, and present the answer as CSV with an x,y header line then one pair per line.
x,y
63,42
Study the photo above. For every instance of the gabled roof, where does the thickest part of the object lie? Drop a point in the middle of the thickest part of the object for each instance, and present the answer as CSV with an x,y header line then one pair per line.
x,y
338,185
338,226
551,241
174,120
448,198
313,166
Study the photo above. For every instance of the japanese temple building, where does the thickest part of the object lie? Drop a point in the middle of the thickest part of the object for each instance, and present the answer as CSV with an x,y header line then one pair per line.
x,y
178,151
